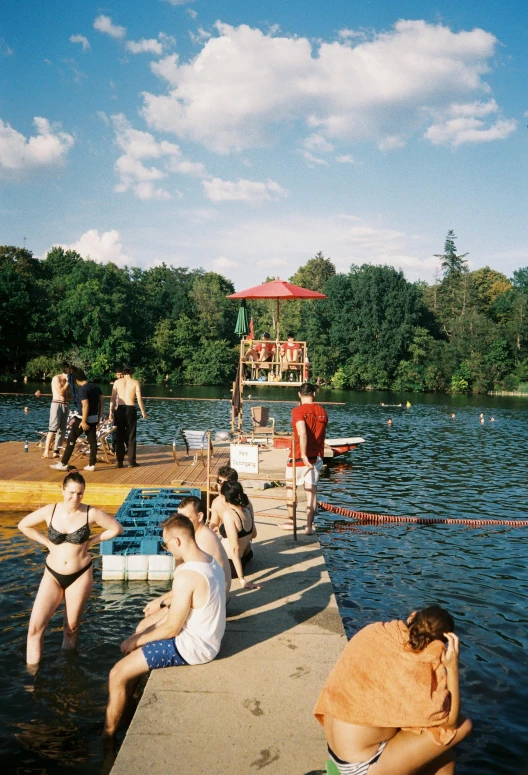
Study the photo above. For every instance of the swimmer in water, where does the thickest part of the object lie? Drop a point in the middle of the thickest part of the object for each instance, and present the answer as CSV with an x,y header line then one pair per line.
x,y
389,421
492,419
68,573
453,415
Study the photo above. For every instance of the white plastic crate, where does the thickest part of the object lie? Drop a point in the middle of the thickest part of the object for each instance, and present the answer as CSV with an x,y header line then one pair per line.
x,y
137,567
114,567
160,567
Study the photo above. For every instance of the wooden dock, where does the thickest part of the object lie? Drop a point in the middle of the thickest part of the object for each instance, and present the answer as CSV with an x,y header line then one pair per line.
x,y
27,481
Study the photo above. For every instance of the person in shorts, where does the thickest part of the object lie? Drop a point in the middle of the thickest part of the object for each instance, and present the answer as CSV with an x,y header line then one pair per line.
x,y
191,633
92,402
309,422
58,419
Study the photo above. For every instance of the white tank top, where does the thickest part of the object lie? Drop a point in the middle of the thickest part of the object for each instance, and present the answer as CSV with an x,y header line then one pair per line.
x,y
201,636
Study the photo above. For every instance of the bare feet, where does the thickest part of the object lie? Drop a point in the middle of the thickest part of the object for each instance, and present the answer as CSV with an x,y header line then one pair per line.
x,y
309,531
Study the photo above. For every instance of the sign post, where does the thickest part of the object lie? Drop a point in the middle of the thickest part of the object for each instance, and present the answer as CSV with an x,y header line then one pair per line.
x,y
244,458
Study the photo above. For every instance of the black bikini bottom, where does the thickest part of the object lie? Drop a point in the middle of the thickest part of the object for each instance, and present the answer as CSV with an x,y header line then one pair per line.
x,y
244,560
65,579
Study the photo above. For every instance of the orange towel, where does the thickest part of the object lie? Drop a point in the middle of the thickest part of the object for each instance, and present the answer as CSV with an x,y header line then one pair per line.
x,y
378,681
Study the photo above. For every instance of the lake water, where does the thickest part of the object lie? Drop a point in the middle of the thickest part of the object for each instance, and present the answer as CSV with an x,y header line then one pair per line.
x,y
426,464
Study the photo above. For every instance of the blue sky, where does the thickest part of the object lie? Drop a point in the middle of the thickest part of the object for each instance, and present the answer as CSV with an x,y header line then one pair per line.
x,y
245,137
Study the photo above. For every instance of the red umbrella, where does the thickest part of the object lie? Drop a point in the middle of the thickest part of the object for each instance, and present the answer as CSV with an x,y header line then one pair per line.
x,y
277,289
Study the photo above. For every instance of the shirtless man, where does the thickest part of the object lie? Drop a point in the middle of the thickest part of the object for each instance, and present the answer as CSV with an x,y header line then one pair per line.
x,y
125,391
58,412
208,542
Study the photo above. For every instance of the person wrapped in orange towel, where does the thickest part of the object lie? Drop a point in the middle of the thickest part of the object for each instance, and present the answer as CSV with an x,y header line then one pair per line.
x,y
391,705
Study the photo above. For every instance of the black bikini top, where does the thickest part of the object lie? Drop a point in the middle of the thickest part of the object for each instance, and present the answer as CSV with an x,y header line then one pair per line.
x,y
241,533
79,536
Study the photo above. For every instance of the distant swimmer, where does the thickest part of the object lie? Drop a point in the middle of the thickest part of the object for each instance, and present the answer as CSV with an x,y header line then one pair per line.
x,y
481,416
26,409
453,415
389,421
408,404
492,419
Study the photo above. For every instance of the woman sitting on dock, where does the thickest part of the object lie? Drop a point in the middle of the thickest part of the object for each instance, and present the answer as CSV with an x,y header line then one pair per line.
x,y
391,705
68,573
237,528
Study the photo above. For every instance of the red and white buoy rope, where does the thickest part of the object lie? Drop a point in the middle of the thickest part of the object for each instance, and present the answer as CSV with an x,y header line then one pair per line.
x,y
366,516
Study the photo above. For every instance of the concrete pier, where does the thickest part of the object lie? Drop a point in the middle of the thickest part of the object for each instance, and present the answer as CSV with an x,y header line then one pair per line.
x,y
251,709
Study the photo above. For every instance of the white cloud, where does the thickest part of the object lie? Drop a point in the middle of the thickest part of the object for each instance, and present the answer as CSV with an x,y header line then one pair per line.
x,y
463,123
346,158
145,46
316,142
244,84
5,50
178,2
48,148
137,147
348,34
85,43
104,24
253,191
346,239
151,45
391,143
311,159
191,12
224,263
200,36
102,248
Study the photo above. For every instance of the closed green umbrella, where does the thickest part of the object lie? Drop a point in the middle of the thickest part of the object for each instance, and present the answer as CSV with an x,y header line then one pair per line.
x,y
242,324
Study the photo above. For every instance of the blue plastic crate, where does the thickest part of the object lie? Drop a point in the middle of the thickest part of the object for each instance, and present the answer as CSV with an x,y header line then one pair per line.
x,y
141,515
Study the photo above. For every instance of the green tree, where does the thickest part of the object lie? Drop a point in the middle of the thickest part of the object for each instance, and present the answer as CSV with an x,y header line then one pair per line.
x,y
452,264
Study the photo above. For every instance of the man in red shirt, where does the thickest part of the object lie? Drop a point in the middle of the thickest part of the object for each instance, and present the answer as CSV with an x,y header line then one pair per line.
x,y
309,421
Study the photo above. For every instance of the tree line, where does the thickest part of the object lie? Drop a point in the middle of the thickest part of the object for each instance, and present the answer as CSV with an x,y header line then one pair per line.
x,y
465,332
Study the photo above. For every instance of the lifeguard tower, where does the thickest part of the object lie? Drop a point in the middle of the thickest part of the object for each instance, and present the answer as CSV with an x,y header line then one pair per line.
x,y
274,362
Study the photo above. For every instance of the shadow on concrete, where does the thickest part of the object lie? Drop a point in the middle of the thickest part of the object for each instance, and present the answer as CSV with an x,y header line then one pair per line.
x,y
295,590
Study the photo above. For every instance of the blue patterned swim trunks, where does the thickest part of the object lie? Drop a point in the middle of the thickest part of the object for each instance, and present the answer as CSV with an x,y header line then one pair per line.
x,y
162,653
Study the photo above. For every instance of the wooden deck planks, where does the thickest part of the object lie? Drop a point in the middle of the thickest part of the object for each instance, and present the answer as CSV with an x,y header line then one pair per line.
x,y
27,481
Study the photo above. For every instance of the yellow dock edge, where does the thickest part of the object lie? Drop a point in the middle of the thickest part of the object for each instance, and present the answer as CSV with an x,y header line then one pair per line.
x,y
28,496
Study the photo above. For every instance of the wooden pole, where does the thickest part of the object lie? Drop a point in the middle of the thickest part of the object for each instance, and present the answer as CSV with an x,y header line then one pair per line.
x,y
208,480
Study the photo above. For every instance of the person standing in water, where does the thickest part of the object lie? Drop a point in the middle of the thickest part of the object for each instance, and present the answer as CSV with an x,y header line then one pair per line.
x,y
68,573
125,391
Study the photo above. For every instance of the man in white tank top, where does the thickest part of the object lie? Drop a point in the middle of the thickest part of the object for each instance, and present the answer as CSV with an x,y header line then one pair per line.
x,y
193,630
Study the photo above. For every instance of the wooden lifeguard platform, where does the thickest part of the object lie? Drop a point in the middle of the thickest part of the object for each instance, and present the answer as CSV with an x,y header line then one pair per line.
x,y
27,481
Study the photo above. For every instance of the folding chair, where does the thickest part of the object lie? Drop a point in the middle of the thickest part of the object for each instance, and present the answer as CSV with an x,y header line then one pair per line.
x,y
263,424
194,441
102,434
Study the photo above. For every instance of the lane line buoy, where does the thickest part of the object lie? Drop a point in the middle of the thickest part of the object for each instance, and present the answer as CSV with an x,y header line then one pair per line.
x,y
366,516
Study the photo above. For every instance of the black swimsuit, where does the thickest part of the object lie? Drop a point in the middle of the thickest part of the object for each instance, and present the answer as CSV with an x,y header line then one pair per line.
x,y
79,536
241,533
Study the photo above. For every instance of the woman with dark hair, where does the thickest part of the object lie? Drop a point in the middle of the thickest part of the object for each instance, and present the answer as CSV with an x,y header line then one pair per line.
x,y
68,573
237,529
391,705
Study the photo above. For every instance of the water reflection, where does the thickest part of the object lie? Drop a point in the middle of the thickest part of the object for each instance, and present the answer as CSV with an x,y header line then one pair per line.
x,y
427,464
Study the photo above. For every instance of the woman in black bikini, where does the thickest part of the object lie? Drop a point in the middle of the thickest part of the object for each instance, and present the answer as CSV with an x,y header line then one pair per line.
x,y
68,573
237,528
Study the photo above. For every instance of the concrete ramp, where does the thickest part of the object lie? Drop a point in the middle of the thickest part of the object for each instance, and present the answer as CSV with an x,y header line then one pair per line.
x,y
250,710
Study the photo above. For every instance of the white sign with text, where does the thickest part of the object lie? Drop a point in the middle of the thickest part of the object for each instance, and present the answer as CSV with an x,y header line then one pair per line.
x,y
244,458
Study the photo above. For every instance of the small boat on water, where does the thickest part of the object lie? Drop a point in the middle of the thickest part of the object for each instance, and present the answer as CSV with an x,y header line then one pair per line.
x,y
335,447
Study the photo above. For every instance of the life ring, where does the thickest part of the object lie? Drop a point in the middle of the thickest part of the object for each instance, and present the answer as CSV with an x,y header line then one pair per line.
x,y
366,516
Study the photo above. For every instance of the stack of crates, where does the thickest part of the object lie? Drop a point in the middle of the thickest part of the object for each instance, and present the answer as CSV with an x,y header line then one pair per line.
x,y
137,554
